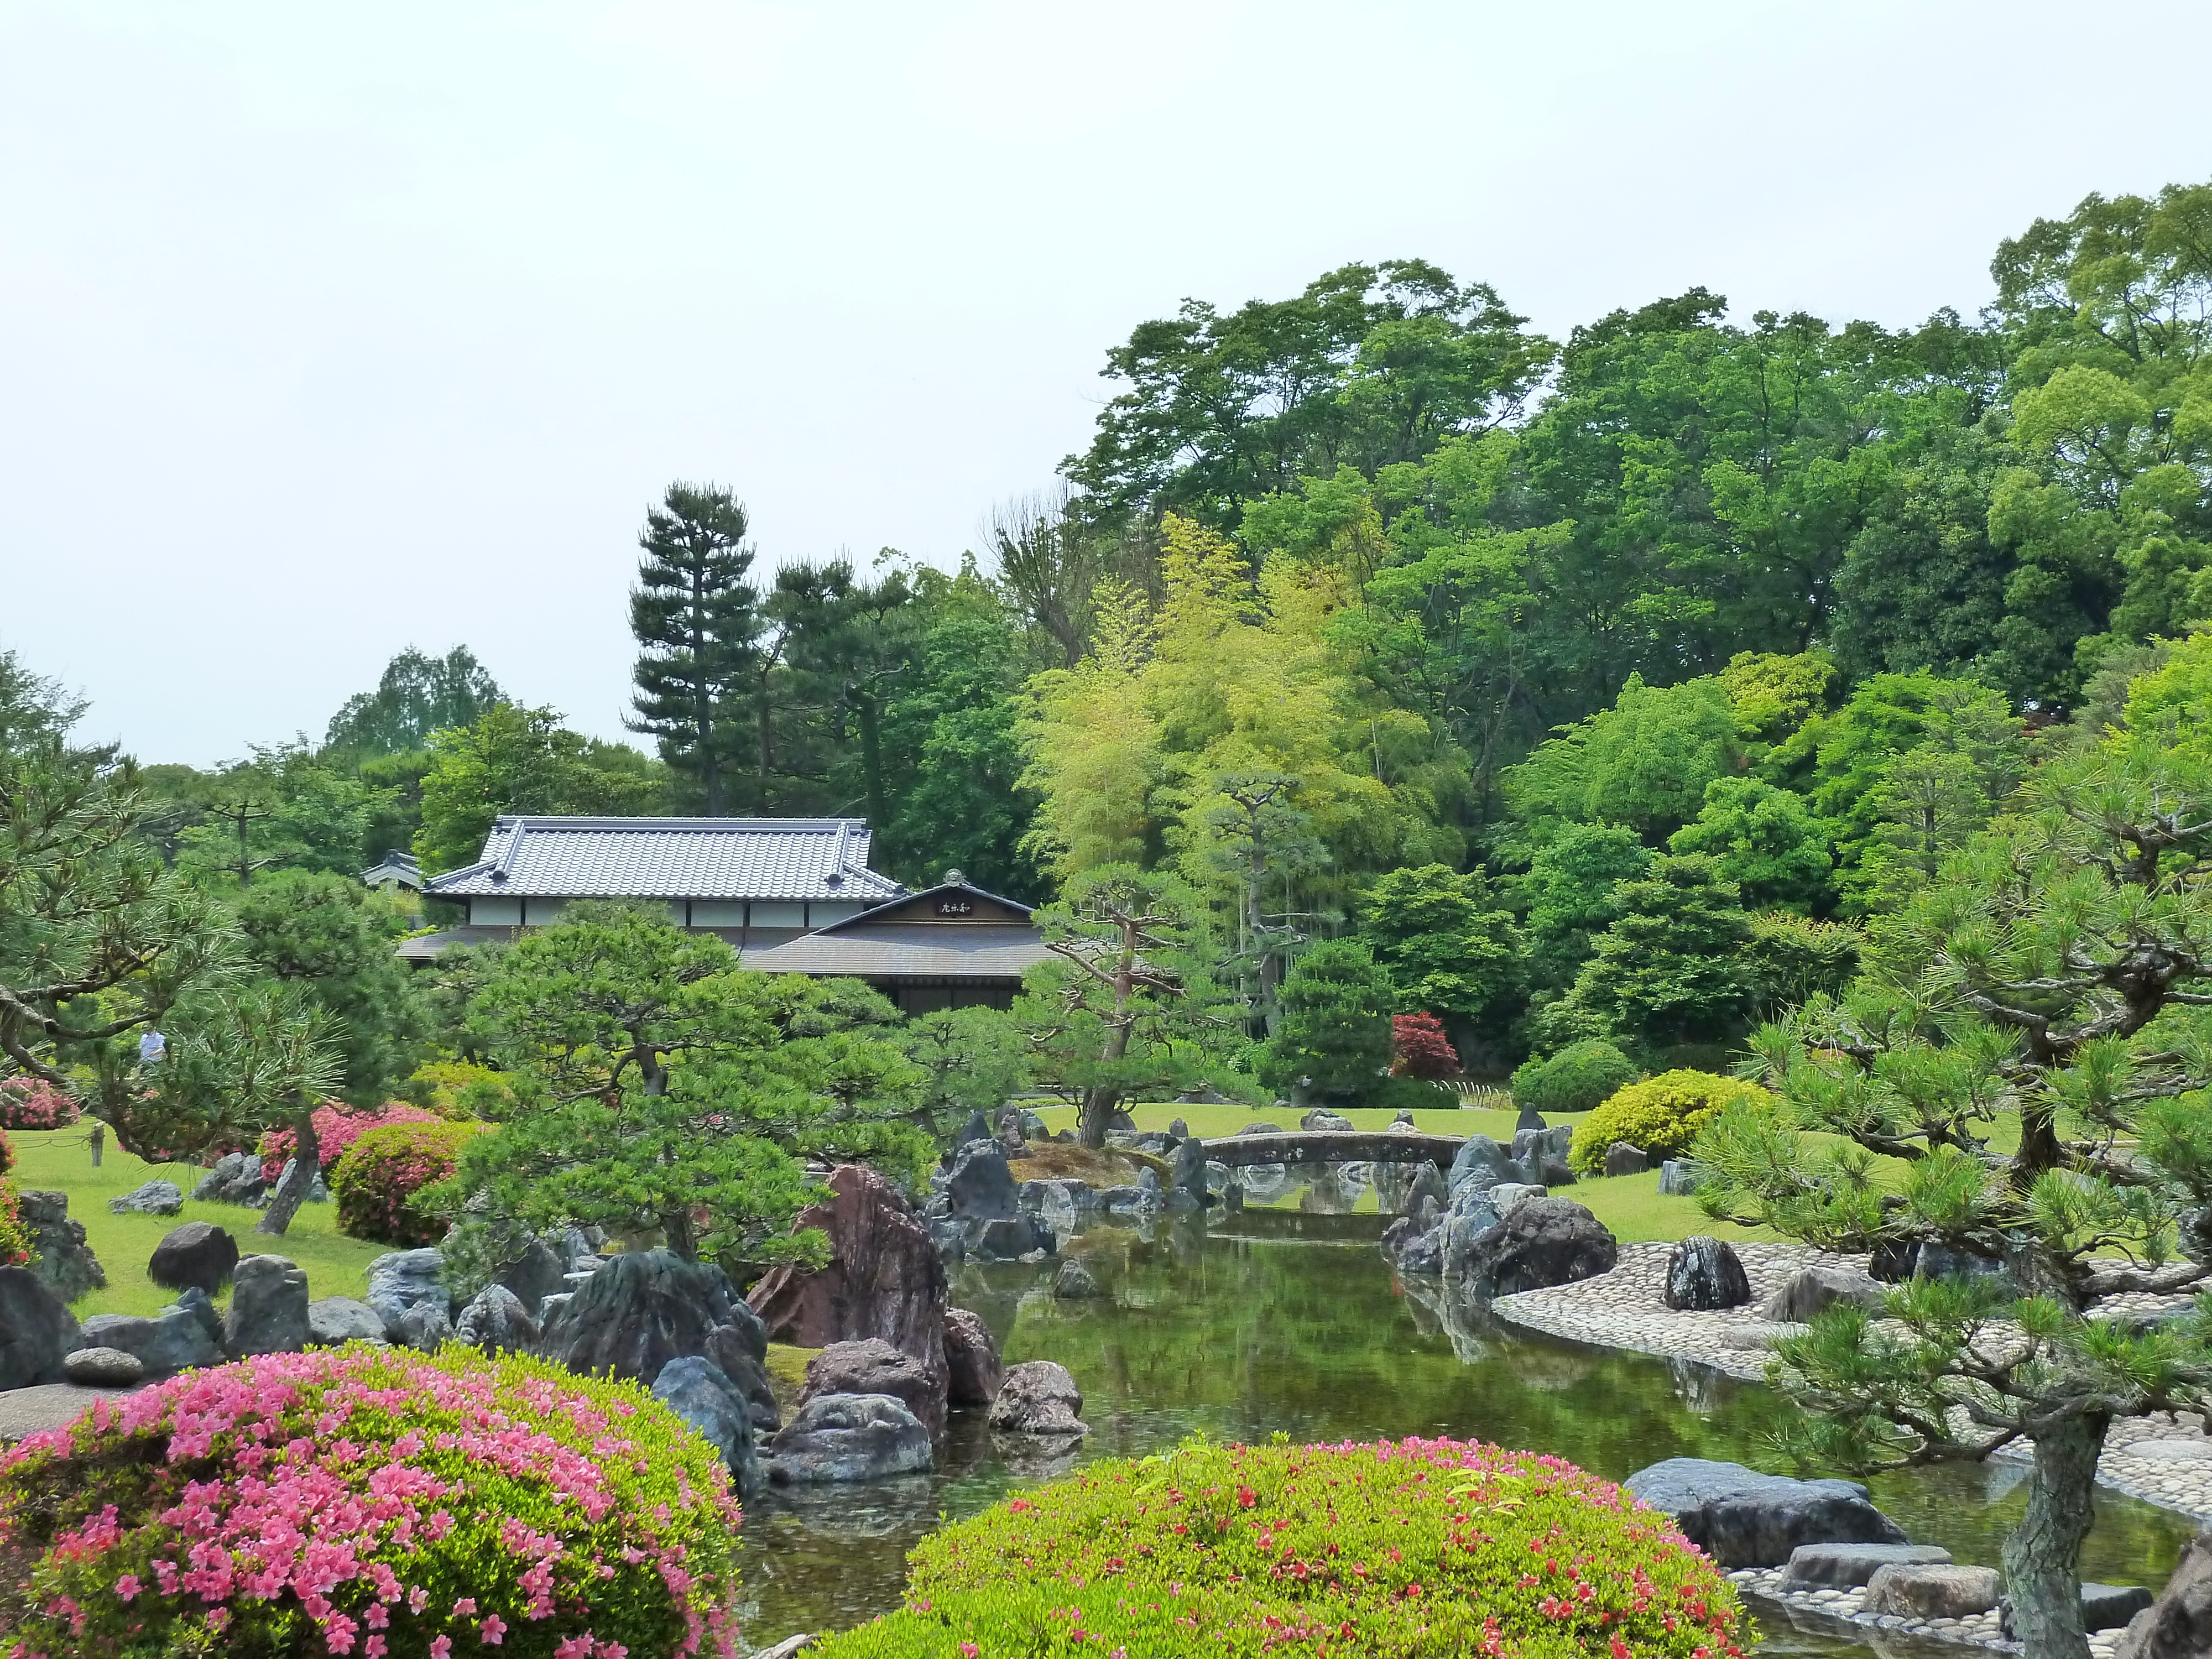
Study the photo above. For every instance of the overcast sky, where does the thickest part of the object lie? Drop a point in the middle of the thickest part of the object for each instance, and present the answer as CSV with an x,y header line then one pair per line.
x,y
325,329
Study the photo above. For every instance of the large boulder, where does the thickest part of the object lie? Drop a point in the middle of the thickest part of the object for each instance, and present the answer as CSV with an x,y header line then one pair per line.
x,y
154,1197
1847,1566
37,1333
1188,1171
1467,1217
235,1178
716,1410
497,1321
198,1253
173,1340
267,1309
980,1185
2178,1625
1703,1274
1541,1242
407,1288
884,1279
59,1255
539,1271
872,1366
850,1436
1623,1159
337,1319
643,1309
1932,1592
1809,1289
739,1351
1743,1518
1039,1396
972,1371
104,1368
1482,1163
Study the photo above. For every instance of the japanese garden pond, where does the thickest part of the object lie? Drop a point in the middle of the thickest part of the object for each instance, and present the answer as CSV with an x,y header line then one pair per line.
x,y
1278,1320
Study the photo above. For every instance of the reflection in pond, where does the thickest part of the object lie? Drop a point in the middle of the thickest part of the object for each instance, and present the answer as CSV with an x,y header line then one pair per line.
x,y
1292,1320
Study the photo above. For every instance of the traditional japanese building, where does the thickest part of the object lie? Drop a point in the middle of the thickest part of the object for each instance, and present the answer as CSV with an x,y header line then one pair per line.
x,y
795,896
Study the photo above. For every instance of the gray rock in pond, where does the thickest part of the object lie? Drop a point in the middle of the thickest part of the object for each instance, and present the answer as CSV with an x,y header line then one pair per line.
x,y
407,1287
716,1410
790,1648
234,1178
174,1341
1469,1216
1743,1518
104,1368
1427,1182
1422,1252
980,1185
1039,1396
1481,1163
850,1436
1074,1282
267,1309
59,1255
497,1322
1188,1172
1507,1193
1678,1177
198,1253
2104,1607
1929,1592
1128,1200
1623,1159
972,1369
1809,1289
642,1309
337,1319
739,1351
37,1333
872,1366
1327,1122
1009,1238
1530,1118
1847,1566
2178,1623
154,1197
1542,1242
1703,1274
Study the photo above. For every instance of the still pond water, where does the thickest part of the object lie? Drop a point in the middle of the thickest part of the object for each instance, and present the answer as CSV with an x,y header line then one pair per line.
x,y
1278,1320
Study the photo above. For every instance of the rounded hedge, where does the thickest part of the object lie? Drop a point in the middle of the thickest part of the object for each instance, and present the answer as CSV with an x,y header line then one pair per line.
x,y
370,1501
1580,1078
337,1127
1660,1114
32,1103
376,1181
1418,1549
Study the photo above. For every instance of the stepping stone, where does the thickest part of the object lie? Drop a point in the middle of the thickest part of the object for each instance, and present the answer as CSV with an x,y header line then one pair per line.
x,y
1834,1567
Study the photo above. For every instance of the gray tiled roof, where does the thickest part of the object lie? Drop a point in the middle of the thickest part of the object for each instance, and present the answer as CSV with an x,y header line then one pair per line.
x,y
896,950
791,858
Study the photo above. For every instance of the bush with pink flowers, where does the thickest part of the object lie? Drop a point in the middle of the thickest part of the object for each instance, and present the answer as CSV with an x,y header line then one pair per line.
x,y
32,1103
375,1182
369,1502
338,1126
14,1243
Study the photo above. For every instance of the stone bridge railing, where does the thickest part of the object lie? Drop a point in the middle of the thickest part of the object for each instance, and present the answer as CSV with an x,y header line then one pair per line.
x,y
1335,1146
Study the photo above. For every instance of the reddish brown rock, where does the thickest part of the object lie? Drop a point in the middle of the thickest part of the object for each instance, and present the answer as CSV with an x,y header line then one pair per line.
x,y
884,1279
972,1371
874,1366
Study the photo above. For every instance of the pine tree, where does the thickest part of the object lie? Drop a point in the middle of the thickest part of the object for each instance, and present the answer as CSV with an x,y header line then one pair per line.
x,y
697,618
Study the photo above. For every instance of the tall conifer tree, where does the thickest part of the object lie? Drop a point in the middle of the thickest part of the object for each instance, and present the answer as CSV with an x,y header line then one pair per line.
x,y
696,619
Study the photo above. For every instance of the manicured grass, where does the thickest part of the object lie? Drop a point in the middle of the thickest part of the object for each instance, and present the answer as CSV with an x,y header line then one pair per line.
x,y
1208,1122
787,1374
59,1160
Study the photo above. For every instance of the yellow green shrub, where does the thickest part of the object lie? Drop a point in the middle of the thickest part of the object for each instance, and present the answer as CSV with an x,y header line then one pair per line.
x,y
1660,1114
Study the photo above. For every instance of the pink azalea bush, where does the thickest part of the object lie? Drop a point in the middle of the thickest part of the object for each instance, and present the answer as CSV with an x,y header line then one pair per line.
x,y
375,1182
373,1503
32,1103
338,1126
1420,1549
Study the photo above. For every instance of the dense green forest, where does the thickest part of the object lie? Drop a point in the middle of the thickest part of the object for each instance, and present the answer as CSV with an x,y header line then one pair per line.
x,y
1613,687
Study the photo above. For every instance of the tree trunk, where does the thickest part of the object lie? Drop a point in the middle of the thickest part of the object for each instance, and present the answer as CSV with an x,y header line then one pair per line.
x,y
2043,1556
1098,1105
292,1191
872,761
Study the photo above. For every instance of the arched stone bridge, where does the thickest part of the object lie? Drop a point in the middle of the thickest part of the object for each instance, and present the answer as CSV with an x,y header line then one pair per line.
x,y
1335,1146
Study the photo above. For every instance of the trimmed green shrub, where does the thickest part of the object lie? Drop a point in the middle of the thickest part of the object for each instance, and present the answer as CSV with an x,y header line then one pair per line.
x,y
370,1500
1416,1549
1580,1078
1660,1114
338,1126
375,1182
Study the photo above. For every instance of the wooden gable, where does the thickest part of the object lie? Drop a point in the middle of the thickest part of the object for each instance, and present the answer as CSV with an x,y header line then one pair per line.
x,y
954,904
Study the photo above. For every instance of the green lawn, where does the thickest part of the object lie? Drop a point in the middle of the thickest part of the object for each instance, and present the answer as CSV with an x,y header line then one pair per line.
x,y
59,1160
1630,1205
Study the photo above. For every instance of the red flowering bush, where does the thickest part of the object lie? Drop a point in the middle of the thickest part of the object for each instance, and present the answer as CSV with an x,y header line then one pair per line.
x,y
1419,1048
338,1126
369,1502
376,1181
32,1103
1418,1549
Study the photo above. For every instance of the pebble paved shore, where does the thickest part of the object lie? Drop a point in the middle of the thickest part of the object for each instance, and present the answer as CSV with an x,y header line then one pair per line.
x,y
1842,1610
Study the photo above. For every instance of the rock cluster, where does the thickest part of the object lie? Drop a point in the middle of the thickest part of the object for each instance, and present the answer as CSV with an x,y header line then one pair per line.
x,y
874,1366
1743,1518
234,1178
59,1255
885,1277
